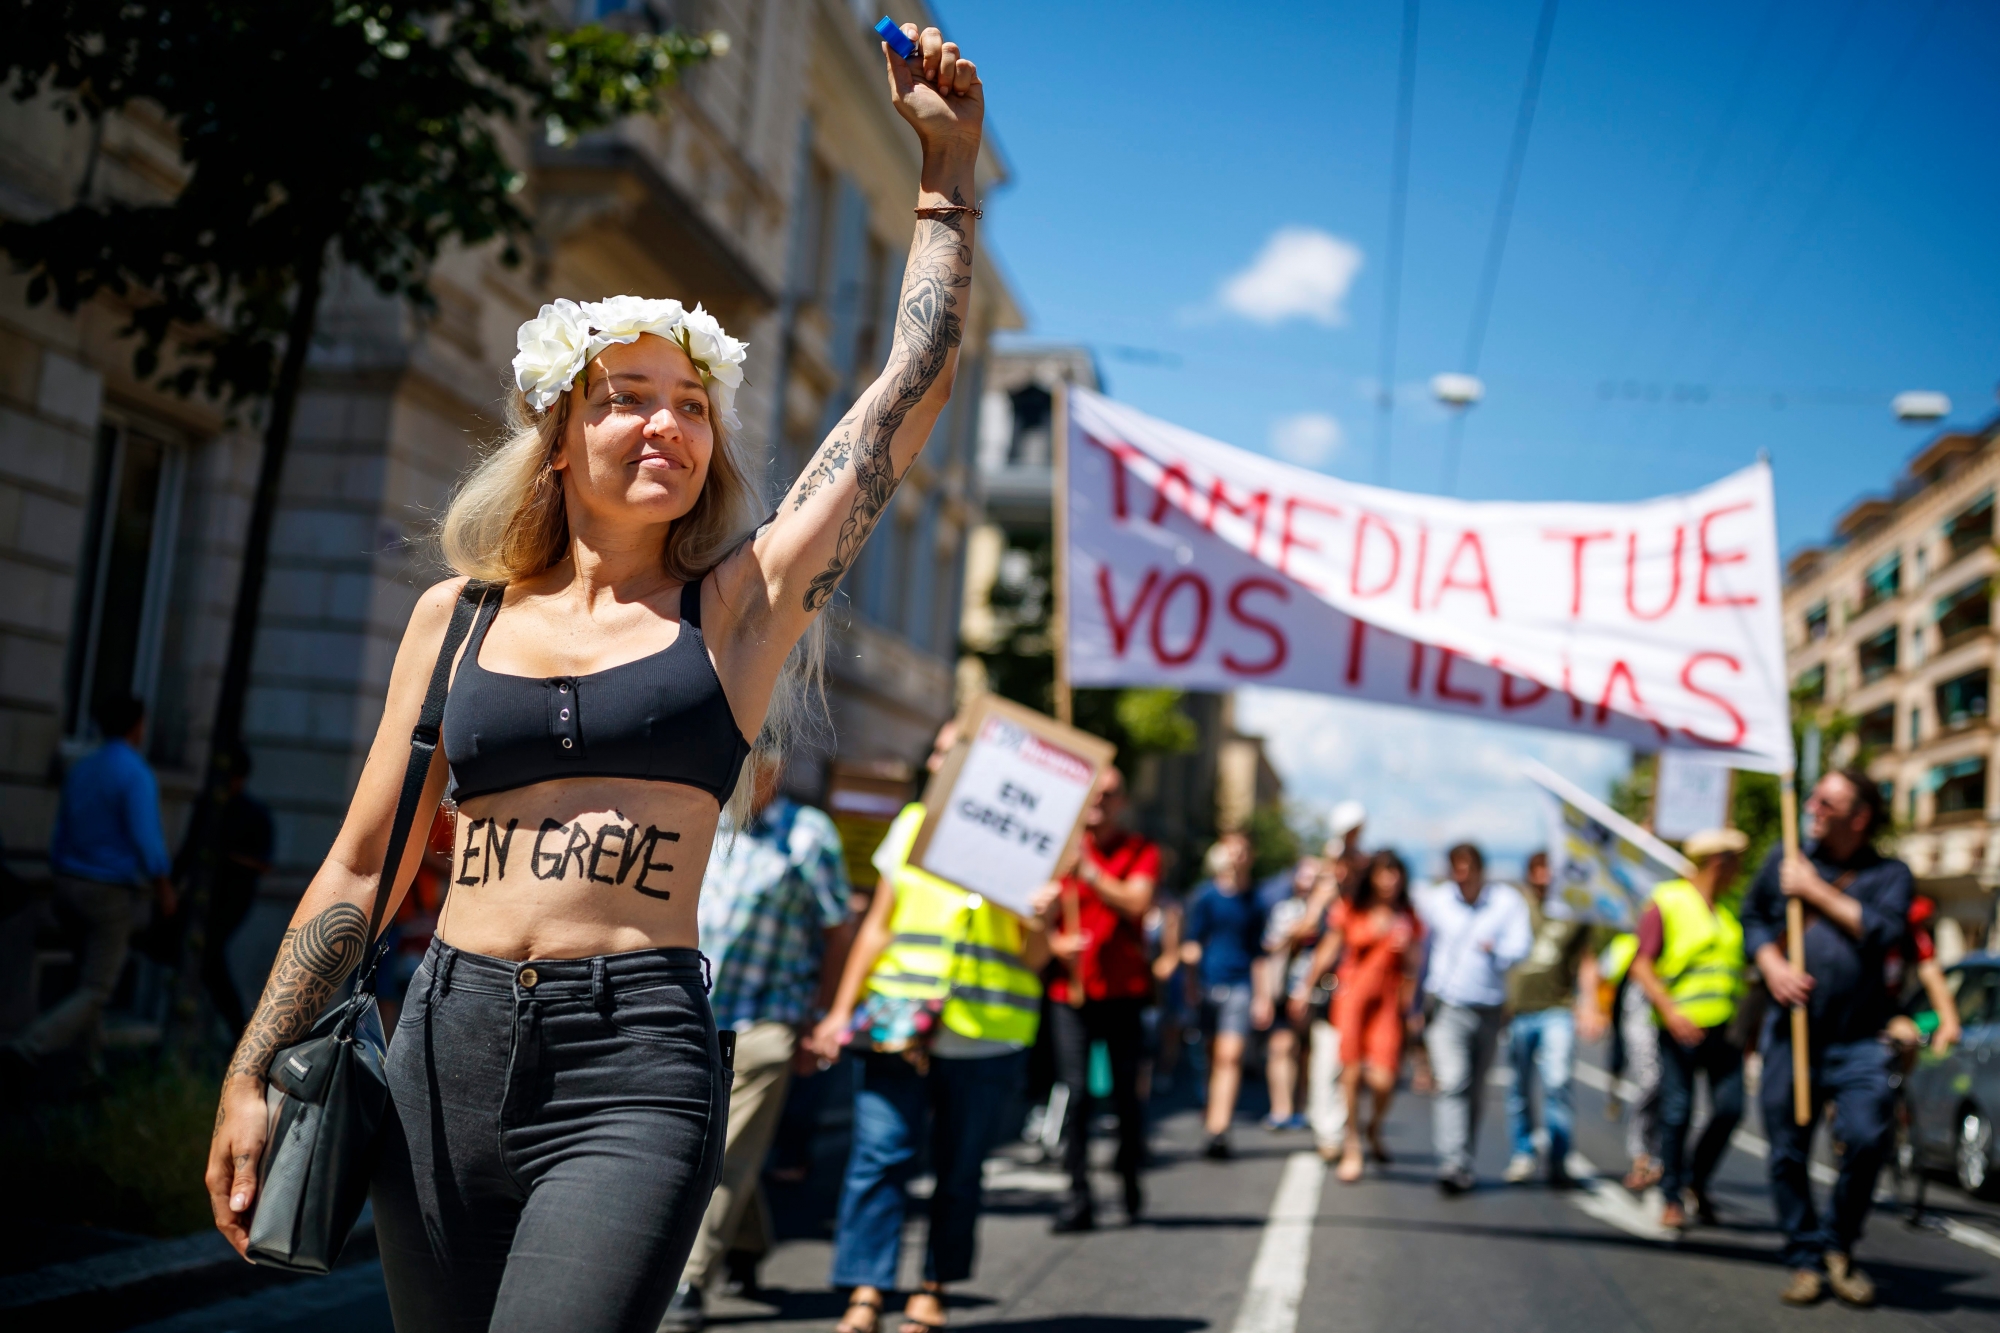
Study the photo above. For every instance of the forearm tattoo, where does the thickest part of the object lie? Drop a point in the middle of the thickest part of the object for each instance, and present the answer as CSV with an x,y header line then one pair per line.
x,y
313,959
929,327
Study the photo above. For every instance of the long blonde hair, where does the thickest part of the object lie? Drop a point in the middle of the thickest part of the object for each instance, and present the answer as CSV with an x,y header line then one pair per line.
x,y
507,521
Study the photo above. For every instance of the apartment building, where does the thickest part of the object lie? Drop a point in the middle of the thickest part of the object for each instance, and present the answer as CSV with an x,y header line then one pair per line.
x,y
1891,625
776,189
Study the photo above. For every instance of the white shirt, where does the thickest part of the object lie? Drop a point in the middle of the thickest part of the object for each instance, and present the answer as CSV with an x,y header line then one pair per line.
x,y
1473,945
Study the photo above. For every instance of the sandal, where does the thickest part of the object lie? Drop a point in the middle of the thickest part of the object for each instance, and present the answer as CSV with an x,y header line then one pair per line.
x,y
857,1303
912,1324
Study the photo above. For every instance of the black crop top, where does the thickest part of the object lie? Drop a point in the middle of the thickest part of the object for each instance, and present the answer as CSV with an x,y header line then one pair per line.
x,y
662,718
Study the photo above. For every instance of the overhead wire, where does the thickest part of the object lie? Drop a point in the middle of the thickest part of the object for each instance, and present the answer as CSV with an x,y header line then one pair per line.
x,y
1503,218
1399,197
1775,275
1697,191
1753,211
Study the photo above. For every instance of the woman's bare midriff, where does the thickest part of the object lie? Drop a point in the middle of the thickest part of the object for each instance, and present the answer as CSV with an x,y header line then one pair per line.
x,y
578,867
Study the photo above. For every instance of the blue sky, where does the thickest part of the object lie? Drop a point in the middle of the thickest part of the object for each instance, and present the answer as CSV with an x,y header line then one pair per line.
x,y
1753,222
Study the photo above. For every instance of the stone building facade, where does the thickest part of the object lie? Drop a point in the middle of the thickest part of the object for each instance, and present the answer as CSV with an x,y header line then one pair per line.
x,y
776,189
1891,626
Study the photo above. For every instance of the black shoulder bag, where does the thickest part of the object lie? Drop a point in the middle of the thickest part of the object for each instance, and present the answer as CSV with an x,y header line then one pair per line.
x,y
326,1094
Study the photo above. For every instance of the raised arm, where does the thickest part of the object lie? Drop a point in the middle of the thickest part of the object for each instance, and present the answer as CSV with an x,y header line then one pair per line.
x,y
790,572
328,934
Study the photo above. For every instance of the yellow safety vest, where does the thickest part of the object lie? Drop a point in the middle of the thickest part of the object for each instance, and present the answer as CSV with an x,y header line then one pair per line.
x,y
1617,957
1701,960
951,944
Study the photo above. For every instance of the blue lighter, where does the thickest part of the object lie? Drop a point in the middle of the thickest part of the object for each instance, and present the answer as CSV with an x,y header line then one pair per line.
x,y
889,31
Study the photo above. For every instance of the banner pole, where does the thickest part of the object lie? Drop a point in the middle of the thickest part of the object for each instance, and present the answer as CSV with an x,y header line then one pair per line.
x,y
1795,951
1059,551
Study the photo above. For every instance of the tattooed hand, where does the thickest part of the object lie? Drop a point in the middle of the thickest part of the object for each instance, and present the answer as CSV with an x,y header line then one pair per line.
x,y
313,959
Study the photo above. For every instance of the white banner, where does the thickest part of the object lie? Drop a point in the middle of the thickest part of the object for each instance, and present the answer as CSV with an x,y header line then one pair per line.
x,y
1602,866
1196,564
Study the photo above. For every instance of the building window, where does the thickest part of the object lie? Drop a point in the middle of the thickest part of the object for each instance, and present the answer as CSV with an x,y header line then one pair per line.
x,y
1877,730
1882,582
1910,802
1916,725
1960,786
1965,613
1962,701
1811,685
1972,527
1877,655
124,573
1034,411
1816,622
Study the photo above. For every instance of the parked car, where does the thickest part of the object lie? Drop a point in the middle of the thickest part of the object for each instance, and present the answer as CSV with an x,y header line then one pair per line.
x,y
1953,1100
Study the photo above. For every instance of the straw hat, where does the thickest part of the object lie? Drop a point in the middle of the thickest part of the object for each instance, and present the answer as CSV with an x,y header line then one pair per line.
x,y
1714,842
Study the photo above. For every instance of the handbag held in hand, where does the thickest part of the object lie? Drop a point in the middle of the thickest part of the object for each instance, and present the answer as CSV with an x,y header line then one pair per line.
x,y
328,1093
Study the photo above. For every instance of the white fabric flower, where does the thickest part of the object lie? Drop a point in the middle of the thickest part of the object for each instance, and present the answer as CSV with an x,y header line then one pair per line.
x,y
718,357
552,348
621,319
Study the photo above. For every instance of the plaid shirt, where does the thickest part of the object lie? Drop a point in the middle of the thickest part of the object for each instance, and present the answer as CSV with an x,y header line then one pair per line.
x,y
769,893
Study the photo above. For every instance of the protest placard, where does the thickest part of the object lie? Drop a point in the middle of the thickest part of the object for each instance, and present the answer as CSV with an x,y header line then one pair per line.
x,y
1007,807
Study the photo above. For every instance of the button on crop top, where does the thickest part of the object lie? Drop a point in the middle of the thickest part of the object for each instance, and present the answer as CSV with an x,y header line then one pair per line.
x,y
662,718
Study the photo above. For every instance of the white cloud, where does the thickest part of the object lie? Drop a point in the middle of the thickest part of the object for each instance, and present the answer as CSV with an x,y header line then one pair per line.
x,y
1428,780
1310,439
1301,273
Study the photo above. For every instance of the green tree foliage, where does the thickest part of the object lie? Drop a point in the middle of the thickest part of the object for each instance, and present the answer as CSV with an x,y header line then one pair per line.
x,y
1274,843
375,129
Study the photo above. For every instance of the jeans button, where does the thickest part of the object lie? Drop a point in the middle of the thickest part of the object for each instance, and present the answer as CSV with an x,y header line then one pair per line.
x,y
528,977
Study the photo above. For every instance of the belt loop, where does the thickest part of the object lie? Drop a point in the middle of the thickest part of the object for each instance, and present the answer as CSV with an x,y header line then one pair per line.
x,y
600,997
443,978
707,975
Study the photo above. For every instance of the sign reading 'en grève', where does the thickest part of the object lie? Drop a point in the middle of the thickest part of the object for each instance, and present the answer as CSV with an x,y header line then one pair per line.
x,y
1009,802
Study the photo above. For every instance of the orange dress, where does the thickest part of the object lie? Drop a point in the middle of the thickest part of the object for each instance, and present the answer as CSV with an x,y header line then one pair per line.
x,y
1368,1002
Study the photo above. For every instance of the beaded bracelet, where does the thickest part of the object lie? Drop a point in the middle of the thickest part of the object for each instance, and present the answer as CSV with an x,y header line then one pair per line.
x,y
940,210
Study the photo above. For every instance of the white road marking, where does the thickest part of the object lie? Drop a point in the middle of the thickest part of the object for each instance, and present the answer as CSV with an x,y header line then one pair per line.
x,y
1977,1238
1278,1277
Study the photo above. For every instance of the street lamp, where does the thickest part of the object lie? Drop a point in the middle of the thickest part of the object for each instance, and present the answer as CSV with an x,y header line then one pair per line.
x,y
1457,391
1920,406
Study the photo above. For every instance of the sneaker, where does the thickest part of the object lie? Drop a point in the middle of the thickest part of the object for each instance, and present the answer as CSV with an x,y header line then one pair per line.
x,y
1704,1208
1454,1183
1218,1149
1673,1217
684,1312
1520,1168
1805,1288
1074,1217
1560,1179
1849,1283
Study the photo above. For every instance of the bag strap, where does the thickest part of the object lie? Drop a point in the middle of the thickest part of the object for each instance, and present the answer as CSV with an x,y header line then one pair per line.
x,y
424,740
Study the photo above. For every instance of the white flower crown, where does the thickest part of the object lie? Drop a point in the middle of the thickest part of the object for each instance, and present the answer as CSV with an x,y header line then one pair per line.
x,y
557,344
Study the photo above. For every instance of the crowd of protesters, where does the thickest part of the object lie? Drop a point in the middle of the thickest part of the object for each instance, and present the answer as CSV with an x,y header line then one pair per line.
x,y
1348,979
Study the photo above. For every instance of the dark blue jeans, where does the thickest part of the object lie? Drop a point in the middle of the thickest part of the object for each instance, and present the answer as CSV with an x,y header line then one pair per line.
x,y
956,1108
556,1129
1722,1060
1854,1075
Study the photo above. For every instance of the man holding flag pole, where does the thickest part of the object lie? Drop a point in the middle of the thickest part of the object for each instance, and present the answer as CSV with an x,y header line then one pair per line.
x,y
1843,908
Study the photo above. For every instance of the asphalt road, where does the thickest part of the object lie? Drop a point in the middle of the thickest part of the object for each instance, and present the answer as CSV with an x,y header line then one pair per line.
x,y
1387,1253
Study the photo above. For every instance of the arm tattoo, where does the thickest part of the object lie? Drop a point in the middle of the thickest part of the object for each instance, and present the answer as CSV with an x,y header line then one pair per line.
x,y
312,960
929,325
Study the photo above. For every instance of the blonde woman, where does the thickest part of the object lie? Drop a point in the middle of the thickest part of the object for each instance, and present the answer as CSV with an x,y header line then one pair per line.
x,y
559,1094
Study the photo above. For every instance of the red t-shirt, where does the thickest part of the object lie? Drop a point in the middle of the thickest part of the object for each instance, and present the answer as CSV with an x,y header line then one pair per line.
x,y
1114,962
